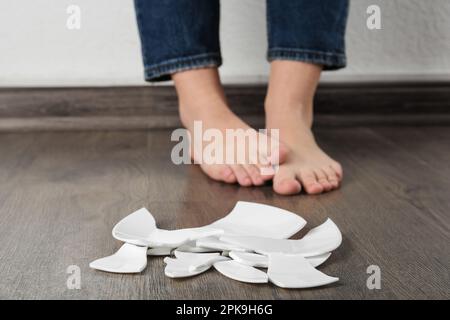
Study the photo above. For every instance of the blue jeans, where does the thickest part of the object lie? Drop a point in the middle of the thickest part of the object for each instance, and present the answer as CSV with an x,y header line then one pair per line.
x,y
179,35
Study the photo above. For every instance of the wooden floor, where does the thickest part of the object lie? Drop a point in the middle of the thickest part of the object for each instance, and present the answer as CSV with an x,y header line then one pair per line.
x,y
61,193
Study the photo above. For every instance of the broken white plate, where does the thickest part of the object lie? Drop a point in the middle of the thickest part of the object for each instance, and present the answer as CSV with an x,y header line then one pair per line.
x,y
320,240
240,272
197,261
255,219
160,251
213,243
139,228
262,261
294,271
128,259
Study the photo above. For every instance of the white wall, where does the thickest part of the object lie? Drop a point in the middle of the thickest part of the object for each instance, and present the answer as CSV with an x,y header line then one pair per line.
x,y
36,48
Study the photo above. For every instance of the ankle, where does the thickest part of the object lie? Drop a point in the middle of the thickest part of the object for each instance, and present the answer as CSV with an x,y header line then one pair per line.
x,y
200,93
280,111
192,109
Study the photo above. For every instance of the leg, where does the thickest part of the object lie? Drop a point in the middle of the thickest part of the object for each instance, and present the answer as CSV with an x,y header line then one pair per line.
x,y
178,35
180,40
289,107
297,59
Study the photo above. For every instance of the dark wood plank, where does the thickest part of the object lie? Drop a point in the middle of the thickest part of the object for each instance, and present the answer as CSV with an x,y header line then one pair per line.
x,y
62,193
404,239
427,147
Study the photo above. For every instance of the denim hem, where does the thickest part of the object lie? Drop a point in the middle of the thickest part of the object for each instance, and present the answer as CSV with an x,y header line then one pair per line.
x,y
163,71
329,60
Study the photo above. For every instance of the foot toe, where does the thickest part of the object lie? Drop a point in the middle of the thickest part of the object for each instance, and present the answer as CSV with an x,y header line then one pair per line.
x,y
332,177
285,182
219,173
228,175
323,180
309,182
338,170
254,174
278,155
241,175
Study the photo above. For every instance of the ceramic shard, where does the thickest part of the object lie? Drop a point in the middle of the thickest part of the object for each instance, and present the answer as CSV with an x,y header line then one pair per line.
x,y
199,260
294,271
236,271
214,243
128,259
255,219
139,228
262,261
179,269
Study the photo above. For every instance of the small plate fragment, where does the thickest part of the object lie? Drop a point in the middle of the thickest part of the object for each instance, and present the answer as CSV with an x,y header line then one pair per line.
x,y
135,227
192,247
316,261
294,271
213,243
128,259
236,271
175,238
197,261
176,268
250,259
262,261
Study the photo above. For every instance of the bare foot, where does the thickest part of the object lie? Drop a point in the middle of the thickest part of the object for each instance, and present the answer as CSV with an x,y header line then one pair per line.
x,y
306,166
201,98
289,108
